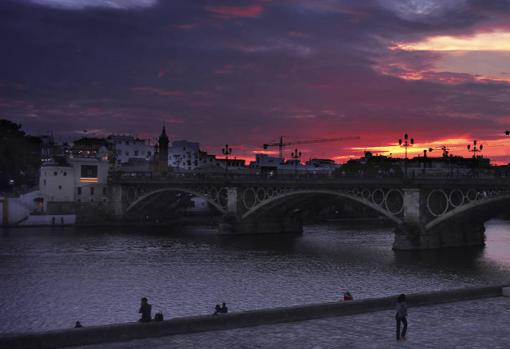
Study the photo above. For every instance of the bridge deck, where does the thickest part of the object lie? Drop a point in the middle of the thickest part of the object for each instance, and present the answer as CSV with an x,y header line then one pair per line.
x,y
254,180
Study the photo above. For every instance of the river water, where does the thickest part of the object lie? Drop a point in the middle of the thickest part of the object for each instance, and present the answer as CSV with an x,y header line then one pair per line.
x,y
49,278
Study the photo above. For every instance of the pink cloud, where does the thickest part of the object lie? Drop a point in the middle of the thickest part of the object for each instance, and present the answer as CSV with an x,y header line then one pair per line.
x,y
251,11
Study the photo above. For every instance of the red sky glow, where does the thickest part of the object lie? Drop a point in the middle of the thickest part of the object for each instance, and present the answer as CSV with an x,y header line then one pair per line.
x,y
246,72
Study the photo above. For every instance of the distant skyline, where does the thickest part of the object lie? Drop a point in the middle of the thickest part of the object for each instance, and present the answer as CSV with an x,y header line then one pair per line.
x,y
245,72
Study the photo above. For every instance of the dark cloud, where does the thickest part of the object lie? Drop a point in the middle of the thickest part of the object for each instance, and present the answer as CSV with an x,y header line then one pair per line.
x,y
245,72
82,4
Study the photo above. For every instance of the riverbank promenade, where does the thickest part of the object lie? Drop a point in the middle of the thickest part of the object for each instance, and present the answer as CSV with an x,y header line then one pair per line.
x,y
481,323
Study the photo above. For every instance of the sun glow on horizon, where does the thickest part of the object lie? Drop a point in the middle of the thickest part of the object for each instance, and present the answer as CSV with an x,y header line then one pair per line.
x,y
492,148
495,41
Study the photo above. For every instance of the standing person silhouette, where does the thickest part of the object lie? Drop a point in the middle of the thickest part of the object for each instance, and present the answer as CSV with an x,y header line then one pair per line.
x,y
401,316
145,310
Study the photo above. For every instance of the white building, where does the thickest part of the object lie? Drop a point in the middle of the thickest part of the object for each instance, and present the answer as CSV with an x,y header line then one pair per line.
x,y
187,156
56,182
128,147
273,165
321,166
74,180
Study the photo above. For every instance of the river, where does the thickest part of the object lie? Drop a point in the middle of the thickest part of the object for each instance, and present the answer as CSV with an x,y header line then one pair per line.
x,y
51,278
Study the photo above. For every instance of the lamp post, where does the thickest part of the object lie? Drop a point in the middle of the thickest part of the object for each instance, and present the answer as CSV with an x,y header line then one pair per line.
x,y
447,156
226,151
476,148
445,150
296,155
406,143
425,151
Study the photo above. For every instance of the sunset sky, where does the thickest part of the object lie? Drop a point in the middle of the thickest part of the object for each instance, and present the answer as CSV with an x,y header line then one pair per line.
x,y
245,72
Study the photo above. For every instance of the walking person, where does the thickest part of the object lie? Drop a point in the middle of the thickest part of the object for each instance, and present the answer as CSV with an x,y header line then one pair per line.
x,y
401,316
145,310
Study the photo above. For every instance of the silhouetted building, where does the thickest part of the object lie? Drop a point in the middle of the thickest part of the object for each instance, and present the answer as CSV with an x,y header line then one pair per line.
x,y
91,148
162,157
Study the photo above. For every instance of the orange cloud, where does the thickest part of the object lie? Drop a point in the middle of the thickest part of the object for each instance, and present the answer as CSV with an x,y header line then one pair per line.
x,y
480,57
496,41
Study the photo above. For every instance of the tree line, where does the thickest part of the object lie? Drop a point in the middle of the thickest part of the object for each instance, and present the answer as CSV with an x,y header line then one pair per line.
x,y
20,157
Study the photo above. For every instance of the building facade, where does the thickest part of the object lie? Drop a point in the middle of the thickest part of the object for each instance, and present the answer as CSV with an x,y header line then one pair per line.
x,y
128,149
75,180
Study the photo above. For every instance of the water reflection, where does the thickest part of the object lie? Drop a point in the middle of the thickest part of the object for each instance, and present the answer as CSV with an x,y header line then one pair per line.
x,y
54,277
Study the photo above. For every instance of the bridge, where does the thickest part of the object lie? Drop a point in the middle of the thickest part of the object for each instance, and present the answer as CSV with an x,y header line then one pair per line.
x,y
426,213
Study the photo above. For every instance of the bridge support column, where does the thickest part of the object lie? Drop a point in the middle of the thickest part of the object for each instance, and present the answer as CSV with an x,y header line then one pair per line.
x,y
413,234
232,200
409,235
116,200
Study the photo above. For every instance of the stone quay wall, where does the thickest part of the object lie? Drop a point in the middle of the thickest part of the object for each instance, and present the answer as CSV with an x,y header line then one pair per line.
x,y
128,331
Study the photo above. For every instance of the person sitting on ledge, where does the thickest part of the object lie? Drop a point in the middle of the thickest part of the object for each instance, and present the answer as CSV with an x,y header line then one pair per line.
x,y
223,308
145,310
78,325
217,309
347,296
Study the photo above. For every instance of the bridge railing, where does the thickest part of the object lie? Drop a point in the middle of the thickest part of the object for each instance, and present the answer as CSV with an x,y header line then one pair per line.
x,y
150,177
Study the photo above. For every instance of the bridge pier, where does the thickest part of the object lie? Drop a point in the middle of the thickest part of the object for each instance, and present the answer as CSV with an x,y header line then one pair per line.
x,y
416,232
409,237
117,201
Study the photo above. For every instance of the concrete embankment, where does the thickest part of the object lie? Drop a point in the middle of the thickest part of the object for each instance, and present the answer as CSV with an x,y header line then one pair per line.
x,y
128,331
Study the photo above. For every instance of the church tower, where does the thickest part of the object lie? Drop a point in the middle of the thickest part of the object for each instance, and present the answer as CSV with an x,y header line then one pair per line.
x,y
163,152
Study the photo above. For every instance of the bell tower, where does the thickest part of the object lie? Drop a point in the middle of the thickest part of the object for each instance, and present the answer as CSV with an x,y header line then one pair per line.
x,y
163,152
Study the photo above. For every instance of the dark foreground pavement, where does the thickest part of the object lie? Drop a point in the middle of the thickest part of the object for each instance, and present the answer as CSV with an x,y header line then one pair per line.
x,y
482,323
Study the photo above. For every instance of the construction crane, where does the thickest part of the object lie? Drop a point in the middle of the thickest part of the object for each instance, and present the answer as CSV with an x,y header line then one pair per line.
x,y
281,144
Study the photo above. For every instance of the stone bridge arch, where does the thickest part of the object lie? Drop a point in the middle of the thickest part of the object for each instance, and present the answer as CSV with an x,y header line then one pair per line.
x,y
379,205
274,209
451,216
467,208
211,199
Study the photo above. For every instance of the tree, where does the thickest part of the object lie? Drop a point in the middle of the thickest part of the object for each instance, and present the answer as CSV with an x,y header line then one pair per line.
x,y
20,156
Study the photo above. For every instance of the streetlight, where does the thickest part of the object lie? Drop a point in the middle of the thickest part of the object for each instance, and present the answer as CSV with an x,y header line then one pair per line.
x,y
425,158
445,150
295,155
448,156
474,149
406,143
226,151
